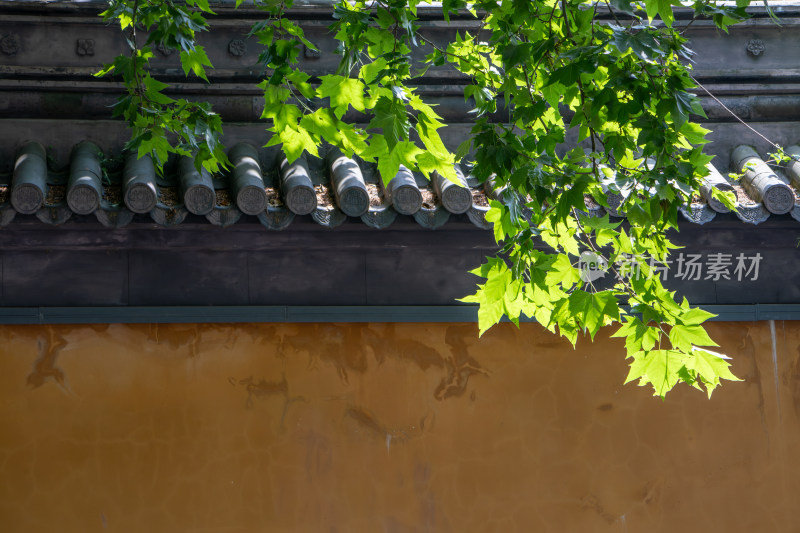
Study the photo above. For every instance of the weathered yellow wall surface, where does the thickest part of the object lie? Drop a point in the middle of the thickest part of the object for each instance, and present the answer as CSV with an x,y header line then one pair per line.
x,y
386,428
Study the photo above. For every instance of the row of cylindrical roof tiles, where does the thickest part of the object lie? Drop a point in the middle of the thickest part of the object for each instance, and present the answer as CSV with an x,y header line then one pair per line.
x,y
329,194
760,191
333,189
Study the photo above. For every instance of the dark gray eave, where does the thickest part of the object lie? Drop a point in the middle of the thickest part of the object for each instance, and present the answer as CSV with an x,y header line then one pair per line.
x,y
83,264
86,264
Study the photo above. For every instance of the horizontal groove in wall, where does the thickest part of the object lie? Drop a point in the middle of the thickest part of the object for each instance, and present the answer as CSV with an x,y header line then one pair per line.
x,y
297,314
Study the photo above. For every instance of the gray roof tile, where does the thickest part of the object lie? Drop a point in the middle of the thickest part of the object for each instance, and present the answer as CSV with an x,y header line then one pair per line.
x,y
330,189
262,183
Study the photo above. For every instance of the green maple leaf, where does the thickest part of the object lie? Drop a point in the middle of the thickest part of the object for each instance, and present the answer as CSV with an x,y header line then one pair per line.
x,y
710,367
274,94
389,160
391,118
371,72
428,162
300,81
684,337
694,133
582,307
638,336
598,223
593,310
343,92
353,140
195,60
427,130
500,218
153,90
661,368
567,322
500,295
727,198
662,8
403,153
203,5
283,116
436,157
295,141
323,123
563,272
694,316
622,5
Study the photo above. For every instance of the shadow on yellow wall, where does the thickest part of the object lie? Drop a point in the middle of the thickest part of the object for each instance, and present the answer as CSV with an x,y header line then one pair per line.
x,y
386,428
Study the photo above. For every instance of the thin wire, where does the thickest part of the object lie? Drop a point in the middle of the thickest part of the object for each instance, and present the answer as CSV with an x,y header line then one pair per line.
x,y
737,117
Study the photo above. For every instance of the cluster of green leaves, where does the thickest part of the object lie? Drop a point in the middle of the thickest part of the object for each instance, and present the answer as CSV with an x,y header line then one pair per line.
x,y
597,102
371,82
621,90
160,124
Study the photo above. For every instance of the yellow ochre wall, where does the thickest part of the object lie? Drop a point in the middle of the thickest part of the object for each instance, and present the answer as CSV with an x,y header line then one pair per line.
x,y
386,428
